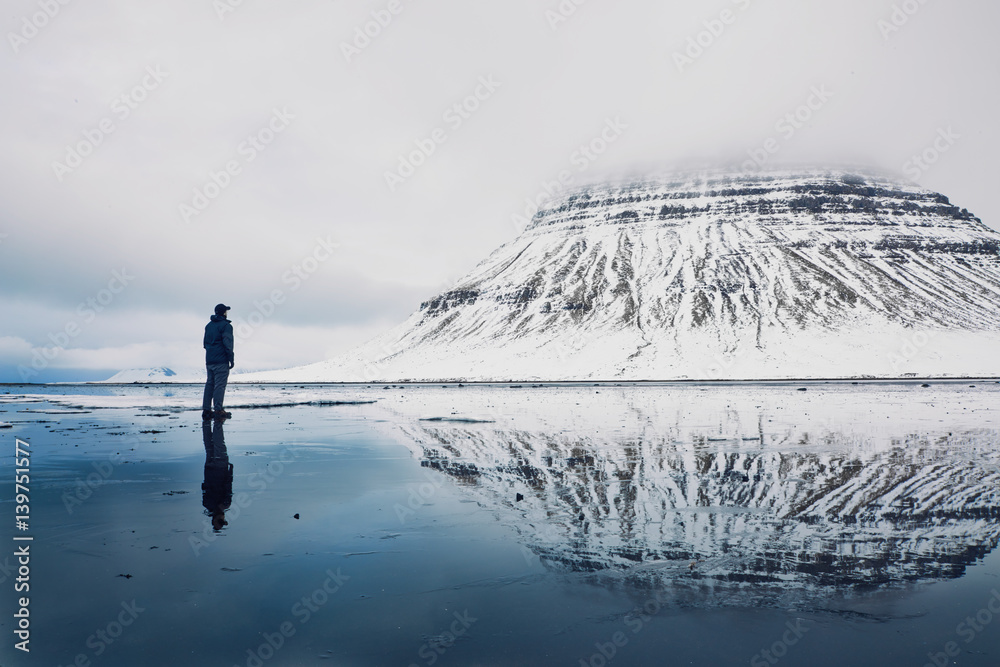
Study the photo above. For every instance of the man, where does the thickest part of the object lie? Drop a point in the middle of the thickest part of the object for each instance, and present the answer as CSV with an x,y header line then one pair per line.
x,y
218,360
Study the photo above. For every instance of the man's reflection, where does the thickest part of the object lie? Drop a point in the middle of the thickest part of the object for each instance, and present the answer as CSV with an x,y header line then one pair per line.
x,y
217,490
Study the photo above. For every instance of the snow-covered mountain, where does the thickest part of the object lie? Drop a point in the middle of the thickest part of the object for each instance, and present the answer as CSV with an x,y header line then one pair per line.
x,y
816,273
160,374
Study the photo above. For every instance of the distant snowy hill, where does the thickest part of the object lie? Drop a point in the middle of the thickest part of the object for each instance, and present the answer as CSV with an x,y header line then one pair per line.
x,y
713,275
161,374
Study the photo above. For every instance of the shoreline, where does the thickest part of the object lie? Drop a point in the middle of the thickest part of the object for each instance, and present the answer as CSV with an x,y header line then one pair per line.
x,y
534,383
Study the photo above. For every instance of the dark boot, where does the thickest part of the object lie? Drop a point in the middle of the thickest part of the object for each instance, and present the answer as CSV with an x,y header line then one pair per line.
x,y
206,415
222,414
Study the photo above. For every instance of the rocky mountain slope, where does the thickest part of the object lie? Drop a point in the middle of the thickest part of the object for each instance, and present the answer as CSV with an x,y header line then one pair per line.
x,y
712,275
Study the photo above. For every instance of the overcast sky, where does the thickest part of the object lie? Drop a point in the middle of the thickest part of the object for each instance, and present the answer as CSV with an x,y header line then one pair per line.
x,y
160,157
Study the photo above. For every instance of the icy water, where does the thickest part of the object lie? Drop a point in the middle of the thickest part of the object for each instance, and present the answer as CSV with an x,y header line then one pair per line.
x,y
738,524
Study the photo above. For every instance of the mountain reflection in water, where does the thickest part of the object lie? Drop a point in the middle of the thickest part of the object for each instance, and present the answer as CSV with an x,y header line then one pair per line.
x,y
732,512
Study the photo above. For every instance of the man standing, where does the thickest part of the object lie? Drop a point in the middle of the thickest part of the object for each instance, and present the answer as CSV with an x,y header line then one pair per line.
x,y
218,360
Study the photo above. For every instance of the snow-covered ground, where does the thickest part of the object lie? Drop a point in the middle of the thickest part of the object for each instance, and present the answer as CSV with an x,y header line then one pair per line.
x,y
183,397
588,408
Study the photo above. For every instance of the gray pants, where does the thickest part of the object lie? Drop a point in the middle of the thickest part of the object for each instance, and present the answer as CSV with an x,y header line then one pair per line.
x,y
215,386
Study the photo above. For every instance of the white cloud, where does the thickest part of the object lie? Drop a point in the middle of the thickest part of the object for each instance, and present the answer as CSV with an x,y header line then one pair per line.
x,y
13,349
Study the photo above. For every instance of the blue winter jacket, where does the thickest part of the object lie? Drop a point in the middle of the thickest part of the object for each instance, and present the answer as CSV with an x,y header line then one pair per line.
x,y
218,341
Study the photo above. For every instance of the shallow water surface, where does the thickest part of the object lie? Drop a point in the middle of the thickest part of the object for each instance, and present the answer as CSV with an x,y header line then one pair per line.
x,y
736,524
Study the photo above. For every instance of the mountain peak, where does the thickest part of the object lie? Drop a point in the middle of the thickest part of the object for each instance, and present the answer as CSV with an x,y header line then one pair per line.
x,y
811,273
681,195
